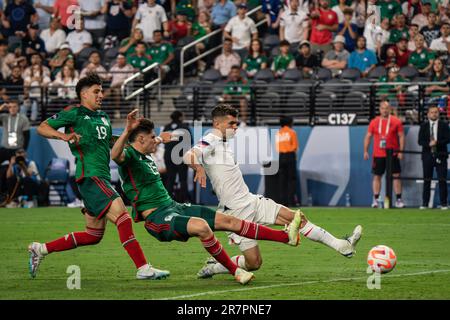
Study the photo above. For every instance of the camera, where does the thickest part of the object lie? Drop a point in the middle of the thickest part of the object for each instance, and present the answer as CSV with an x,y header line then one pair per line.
x,y
20,159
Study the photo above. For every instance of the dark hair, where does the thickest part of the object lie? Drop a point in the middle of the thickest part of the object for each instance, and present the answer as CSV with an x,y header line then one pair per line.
x,y
224,109
91,79
233,67
157,30
284,43
286,121
176,115
140,42
250,51
145,126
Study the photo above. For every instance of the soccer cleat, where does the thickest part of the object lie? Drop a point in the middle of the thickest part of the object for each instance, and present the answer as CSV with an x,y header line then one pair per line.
x,y
422,207
36,258
374,203
147,272
399,203
242,276
207,271
444,208
349,249
293,229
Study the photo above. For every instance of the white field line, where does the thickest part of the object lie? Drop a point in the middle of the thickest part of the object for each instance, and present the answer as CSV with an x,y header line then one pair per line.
x,y
207,293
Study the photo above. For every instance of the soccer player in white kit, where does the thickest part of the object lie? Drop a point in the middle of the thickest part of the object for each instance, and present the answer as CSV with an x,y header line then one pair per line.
x,y
212,157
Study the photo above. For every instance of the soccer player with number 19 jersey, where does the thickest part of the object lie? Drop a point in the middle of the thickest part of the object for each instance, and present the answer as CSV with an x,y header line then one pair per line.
x,y
88,132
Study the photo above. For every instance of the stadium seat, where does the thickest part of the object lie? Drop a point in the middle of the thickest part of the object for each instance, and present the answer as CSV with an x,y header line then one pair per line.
x,y
357,102
270,41
351,74
264,75
57,177
267,105
274,52
293,75
110,55
323,74
408,72
212,75
297,105
377,72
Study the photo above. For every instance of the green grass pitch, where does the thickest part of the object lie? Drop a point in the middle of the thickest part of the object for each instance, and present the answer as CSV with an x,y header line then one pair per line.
x,y
421,240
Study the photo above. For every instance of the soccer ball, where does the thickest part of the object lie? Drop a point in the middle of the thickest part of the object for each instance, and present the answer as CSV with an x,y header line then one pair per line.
x,y
382,259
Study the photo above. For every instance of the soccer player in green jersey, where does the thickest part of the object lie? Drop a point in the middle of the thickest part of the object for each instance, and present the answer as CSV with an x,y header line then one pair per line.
x,y
88,132
168,220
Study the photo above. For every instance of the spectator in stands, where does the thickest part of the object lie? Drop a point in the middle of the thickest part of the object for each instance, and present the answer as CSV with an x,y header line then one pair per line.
x,y
432,30
94,20
421,18
120,71
149,17
387,133
339,9
441,45
305,60
394,94
389,8
336,59
400,30
324,23
237,92
241,30
139,60
294,25
187,6
227,59
15,135
65,84
95,65
359,16
222,12
391,58
162,52
401,52
363,59
53,37
175,167
422,58
413,32
13,85
285,60
79,38
444,13
201,28
60,58
272,10
376,35
411,8
34,84
438,93
118,21
32,43
373,12
17,16
180,27
128,45
349,30
205,5
256,59
64,10
36,60
44,9
5,70
23,181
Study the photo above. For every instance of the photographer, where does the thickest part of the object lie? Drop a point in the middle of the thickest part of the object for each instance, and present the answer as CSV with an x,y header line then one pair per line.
x,y
22,179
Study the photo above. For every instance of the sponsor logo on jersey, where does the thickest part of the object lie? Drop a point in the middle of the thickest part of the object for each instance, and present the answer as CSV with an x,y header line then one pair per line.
x,y
87,117
105,121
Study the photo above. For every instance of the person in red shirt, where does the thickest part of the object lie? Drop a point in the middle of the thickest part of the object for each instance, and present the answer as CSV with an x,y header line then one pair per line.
x,y
65,10
387,132
179,28
324,23
401,52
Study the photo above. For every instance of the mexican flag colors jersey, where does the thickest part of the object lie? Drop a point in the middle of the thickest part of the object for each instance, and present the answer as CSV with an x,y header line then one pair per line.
x,y
92,152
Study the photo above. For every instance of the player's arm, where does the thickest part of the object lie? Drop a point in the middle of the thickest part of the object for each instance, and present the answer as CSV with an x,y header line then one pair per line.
x,y
191,158
49,132
401,142
117,153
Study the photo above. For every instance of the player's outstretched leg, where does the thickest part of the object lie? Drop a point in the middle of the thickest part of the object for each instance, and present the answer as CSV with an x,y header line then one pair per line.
x,y
200,228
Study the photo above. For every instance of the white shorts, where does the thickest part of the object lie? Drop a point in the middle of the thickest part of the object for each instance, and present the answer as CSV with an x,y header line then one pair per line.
x,y
259,210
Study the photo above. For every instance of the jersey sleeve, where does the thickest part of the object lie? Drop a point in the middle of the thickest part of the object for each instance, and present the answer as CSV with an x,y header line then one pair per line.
x,y
128,156
206,145
62,119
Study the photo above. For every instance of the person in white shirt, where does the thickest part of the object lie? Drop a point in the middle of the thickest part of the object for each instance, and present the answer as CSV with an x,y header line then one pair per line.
x,y
45,10
241,29
53,36
79,38
443,43
376,36
150,17
213,157
94,20
421,19
294,25
227,59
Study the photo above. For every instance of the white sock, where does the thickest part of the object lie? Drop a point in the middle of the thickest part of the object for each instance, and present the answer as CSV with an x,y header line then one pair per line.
x,y
317,234
43,249
239,260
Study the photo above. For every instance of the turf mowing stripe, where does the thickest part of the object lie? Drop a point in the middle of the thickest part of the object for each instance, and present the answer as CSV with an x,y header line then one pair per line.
x,y
298,284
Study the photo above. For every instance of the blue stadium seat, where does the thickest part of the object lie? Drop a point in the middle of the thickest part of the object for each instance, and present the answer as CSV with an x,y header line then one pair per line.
x,y
57,176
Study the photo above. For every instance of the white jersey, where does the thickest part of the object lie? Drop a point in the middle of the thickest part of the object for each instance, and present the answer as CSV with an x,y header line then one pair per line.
x,y
223,172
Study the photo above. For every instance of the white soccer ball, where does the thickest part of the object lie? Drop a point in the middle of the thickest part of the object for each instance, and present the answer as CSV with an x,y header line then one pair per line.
x,y
382,259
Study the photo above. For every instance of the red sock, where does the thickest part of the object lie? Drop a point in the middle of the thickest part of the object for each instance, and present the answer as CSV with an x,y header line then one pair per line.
x,y
128,240
213,246
76,239
256,231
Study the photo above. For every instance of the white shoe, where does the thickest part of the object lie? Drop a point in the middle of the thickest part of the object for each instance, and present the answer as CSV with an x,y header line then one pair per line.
x,y
36,257
12,205
242,276
349,249
293,229
422,208
374,203
399,203
207,271
147,272
444,208
77,203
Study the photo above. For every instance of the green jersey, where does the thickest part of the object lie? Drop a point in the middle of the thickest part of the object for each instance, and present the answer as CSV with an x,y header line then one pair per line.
x,y
281,62
236,88
397,34
254,64
141,182
160,52
389,90
421,60
139,62
92,151
389,9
